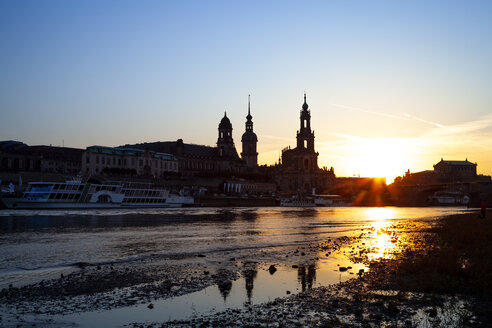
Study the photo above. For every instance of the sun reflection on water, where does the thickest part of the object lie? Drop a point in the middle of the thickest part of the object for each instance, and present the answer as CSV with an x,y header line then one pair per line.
x,y
383,239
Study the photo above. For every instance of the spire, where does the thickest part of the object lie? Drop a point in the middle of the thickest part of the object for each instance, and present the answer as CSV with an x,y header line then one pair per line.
x,y
249,117
249,98
225,113
305,105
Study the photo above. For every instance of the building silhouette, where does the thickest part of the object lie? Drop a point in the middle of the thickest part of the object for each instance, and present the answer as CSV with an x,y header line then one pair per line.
x,y
299,169
249,141
200,160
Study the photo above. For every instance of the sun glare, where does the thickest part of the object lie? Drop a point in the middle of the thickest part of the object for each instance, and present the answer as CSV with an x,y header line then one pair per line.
x,y
383,242
382,157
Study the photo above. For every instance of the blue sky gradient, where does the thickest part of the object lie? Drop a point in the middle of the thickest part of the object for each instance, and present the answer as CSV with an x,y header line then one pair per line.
x,y
391,74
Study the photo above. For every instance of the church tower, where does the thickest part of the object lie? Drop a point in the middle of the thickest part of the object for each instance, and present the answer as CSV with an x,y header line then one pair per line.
x,y
225,143
249,141
305,137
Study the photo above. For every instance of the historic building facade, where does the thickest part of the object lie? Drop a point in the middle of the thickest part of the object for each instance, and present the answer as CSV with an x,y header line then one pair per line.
x,y
199,160
445,171
16,156
125,161
249,141
299,171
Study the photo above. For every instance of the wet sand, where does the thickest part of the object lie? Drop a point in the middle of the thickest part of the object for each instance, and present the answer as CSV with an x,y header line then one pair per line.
x,y
337,280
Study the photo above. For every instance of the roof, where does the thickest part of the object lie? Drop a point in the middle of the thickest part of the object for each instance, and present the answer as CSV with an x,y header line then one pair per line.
x,y
57,153
12,145
128,151
465,162
171,147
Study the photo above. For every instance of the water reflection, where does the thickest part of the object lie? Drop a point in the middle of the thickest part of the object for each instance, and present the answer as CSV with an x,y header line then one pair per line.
x,y
249,278
383,241
306,276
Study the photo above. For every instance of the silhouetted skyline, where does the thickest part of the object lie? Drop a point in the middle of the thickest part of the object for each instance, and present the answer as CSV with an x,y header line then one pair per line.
x,y
391,85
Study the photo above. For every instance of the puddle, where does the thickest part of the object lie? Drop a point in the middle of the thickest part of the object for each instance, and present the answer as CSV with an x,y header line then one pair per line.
x,y
255,286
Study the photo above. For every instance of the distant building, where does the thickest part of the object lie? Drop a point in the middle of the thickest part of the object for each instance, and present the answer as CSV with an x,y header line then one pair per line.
x,y
299,169
199,160
456,170
16,156
127,161
249,141
445,171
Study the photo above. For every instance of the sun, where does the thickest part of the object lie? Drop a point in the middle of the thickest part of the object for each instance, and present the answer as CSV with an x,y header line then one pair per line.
x,y
382,157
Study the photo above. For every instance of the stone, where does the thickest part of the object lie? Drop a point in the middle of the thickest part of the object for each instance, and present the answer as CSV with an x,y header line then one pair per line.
x,y
272,269
342,269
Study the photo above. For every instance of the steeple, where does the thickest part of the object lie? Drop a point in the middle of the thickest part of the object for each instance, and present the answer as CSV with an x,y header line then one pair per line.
x,y
305,105
249,140
249,122
249,117
305,137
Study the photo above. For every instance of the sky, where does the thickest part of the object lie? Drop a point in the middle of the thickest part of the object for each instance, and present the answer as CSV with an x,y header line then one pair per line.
x,y
391,85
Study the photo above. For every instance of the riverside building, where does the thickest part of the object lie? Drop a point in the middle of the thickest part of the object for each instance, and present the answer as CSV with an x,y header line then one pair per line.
x,y
127,161
299,171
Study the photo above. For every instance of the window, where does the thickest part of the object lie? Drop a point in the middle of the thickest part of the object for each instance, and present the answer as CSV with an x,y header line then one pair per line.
x,y
97,159
103,161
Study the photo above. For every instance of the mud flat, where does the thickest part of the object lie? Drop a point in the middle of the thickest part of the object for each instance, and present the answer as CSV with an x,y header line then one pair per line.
x,y
432,272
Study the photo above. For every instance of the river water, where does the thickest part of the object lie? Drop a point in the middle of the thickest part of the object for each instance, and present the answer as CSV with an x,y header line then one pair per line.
x,y
36,245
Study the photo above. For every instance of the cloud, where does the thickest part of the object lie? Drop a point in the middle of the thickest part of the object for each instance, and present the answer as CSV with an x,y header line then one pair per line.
x,y
275,137
404,116
424,121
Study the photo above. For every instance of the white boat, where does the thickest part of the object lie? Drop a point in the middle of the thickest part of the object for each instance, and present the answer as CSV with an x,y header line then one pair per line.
x,y
449,198
75,194
297,202
315,200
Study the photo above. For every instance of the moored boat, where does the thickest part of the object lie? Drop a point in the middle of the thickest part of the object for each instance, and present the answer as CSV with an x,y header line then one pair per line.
x,y
77,195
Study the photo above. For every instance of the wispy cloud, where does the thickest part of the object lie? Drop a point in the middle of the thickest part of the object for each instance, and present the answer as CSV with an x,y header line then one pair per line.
x,y
275,137
423,121
403,116
371,112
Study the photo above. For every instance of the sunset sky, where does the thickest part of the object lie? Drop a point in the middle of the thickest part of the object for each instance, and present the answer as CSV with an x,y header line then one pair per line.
x,y
392,85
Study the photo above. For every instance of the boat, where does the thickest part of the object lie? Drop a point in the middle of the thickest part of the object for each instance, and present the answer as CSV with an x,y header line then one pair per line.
x,y
297,202
449,198
331,200
75,194
314,200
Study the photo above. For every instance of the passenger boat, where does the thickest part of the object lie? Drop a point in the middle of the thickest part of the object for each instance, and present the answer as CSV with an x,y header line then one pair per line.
x,y
75,194
449,198
314,200
297,202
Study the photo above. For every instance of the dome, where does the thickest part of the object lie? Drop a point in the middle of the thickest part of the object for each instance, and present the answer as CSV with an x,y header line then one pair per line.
x,y
225,123
305,105
249,136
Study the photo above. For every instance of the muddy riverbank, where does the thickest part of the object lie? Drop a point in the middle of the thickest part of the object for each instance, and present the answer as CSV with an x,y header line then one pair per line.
x,y
343,274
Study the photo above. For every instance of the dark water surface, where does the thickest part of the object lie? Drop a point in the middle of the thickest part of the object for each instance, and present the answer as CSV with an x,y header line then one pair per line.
x,y
36,245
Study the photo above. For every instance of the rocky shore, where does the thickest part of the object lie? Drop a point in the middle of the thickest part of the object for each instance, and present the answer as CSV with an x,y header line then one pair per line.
x,y
391,293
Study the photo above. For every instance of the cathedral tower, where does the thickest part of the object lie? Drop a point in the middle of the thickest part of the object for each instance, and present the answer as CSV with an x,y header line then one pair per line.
x,y
249,141
225,143
305,137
